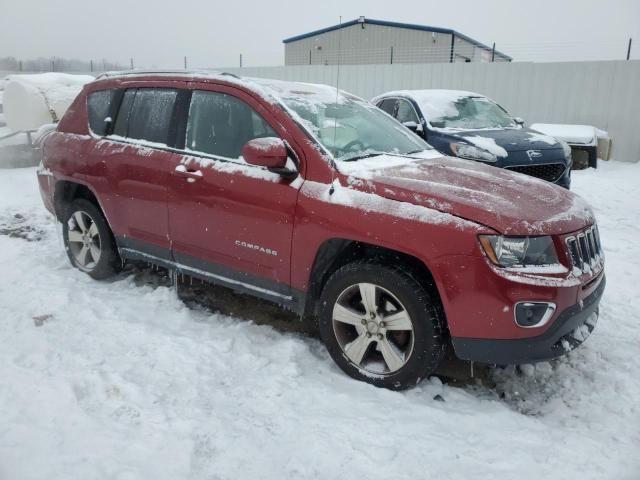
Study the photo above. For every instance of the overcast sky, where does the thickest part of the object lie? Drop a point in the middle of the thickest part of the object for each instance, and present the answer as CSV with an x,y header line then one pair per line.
x,y
158,33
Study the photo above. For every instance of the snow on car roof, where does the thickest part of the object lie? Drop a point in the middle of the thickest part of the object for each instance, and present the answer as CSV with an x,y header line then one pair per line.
x,y
430,93
434,103
315,92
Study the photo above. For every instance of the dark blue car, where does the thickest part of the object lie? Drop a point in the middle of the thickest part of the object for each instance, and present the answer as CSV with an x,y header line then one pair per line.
x,y
472,126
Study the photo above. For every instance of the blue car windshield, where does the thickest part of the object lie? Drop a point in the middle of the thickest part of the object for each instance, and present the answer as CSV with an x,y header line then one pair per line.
x,y
469,113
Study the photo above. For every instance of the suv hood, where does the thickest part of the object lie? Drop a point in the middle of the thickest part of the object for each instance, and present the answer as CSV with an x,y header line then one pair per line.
x,y
508,202
510,139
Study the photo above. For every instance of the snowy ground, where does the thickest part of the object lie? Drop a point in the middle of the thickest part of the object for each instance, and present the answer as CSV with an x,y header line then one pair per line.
x,y
121,381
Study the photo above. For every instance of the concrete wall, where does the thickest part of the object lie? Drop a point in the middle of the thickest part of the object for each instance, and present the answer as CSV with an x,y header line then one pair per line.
x,y
604,94
374,43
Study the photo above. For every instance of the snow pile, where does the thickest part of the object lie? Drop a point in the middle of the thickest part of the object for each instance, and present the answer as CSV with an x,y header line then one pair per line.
x,y
112,380
31,101
576,134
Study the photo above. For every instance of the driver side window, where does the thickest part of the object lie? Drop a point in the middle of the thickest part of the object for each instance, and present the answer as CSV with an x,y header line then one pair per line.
x,y
220,125
388,105
406,112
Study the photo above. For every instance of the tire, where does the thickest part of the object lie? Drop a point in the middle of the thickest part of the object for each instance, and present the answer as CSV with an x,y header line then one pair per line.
x,y
365,345
88,240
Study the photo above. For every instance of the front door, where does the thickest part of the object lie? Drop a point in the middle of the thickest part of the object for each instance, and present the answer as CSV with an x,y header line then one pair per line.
x,y
229,220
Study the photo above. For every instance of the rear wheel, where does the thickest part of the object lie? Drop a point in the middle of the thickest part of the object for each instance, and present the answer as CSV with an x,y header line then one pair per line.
x,y
381,325
89,241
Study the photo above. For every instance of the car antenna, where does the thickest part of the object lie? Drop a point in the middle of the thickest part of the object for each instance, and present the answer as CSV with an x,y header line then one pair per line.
x,y
335,122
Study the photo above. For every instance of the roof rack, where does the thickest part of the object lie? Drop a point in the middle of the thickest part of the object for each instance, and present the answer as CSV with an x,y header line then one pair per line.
x,y
124,73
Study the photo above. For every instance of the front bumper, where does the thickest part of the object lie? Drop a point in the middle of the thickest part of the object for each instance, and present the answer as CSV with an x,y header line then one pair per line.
x,y
568,331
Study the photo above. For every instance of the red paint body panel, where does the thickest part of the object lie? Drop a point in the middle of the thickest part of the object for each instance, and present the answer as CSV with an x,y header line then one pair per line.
x,y
237,216
491,196
132,182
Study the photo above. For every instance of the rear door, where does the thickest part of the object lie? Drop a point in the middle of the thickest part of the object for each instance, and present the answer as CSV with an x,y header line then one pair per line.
x,y
230,220
130,166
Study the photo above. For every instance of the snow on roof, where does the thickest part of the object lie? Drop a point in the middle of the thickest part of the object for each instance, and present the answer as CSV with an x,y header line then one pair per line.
x,y
581,134
277,89
430,93
313,91
434,103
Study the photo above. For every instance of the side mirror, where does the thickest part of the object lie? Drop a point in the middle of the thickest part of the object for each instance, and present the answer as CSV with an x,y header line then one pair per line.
x,y
413,126
519,121
269,152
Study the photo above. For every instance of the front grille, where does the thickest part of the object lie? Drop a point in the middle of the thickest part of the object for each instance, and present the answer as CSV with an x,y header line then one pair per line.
x,y
550,172
585,249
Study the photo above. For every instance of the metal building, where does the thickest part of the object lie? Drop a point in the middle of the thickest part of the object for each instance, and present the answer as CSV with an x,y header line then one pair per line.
x,y
367,41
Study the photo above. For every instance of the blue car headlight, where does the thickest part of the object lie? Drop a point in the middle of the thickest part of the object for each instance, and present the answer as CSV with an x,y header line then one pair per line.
x,y
471,152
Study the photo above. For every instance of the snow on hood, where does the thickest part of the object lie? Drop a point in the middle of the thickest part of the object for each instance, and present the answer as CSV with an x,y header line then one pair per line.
x,y
487,143
507,202
505,140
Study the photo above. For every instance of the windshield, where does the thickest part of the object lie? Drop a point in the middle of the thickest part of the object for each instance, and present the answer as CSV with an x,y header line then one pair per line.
x,y
351,128
469,113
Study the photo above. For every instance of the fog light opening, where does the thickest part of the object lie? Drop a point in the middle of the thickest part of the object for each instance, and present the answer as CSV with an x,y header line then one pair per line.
x,y
533,314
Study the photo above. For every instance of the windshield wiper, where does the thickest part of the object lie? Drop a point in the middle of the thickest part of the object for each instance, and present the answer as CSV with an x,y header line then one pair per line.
x,y
363,156
416,151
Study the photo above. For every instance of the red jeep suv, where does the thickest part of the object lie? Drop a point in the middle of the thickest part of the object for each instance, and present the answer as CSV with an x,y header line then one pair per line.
x,y
317,200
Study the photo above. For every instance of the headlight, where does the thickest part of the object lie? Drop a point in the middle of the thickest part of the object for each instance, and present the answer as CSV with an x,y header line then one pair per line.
x,y
464,150
519,251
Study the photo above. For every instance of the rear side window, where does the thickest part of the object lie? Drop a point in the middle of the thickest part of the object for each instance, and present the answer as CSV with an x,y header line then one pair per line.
x,y
220,124
146,114
122,121
99,108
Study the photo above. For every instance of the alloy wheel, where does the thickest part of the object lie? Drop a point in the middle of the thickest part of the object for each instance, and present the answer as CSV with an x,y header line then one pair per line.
x,y
84,240
373,328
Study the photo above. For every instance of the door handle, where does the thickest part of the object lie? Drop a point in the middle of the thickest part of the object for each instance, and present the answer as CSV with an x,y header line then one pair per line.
x,y
191,175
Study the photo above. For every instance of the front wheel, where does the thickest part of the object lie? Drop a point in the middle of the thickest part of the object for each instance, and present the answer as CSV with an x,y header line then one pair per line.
x,y
381,325
88,240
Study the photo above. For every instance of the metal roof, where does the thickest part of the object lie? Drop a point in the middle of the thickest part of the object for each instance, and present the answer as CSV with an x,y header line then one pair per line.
x,y
384,23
